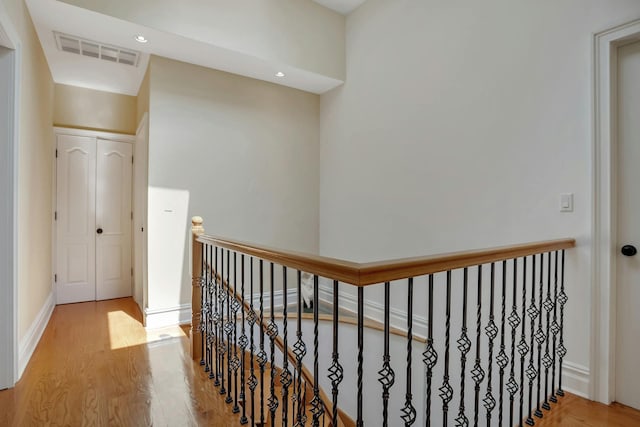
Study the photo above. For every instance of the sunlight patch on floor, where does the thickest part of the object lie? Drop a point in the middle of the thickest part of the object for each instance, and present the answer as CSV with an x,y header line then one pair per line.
x,y
119,320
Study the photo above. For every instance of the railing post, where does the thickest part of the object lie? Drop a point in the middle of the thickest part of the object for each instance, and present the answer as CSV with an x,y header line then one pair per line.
x,y
196,289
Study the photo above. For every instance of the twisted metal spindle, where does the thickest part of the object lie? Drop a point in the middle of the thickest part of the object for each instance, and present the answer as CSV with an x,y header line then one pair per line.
x,y
446,392
478,373
243,346
562,351
533,314
359,419
523,348
492,332
555,328
221,296
234,313
272,331
430,357
317,407
228,329
285,375
464,345
335,370
262,355
300,350
253,381
540,338
386,374
204,285
502,359
514,321
546,359
409,411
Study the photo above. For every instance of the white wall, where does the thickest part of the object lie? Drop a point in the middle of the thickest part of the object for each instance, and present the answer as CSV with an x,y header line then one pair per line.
x,y
459,125
299,33
241,153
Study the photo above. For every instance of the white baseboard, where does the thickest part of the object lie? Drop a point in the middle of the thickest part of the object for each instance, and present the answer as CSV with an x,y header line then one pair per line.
x,y
31,339
575,379
163,317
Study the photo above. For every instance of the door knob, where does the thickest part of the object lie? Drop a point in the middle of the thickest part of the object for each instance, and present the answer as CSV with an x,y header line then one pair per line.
x,y
99,231
629,250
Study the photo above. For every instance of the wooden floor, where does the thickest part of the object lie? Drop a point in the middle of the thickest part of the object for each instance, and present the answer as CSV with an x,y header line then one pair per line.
x,y
97,366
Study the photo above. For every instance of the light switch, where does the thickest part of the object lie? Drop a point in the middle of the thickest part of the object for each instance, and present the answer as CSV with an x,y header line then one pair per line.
x,y
566,202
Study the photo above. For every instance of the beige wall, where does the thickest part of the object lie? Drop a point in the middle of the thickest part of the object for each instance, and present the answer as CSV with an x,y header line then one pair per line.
x,y
143,98
34,172
93,109
240,152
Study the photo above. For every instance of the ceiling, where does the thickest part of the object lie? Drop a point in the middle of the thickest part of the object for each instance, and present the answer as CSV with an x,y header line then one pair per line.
x,y
77,70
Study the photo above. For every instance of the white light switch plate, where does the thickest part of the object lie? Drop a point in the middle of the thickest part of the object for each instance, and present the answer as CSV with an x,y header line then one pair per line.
x,y
566,202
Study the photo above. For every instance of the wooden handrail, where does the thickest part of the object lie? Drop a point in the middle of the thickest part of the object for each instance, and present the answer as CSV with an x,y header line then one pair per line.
x,y
364,274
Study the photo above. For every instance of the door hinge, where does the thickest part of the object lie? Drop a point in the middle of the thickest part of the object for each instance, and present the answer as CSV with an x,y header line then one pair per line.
x,y
131,214
131,159
55,216
55,278
56,153
132,272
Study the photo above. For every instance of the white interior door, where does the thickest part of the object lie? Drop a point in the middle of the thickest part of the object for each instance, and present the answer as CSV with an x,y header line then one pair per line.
x,y
628,267
76,201
113,220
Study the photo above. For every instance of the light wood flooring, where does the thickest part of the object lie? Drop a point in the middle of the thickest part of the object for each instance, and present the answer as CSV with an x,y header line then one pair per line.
x,y
97,366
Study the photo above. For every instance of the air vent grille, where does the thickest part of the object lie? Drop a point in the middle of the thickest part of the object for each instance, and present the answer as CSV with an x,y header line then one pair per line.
x,y
78,46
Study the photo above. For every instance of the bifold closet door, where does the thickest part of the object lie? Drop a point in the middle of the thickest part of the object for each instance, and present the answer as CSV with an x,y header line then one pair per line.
x,y
113,219
93,219
75,212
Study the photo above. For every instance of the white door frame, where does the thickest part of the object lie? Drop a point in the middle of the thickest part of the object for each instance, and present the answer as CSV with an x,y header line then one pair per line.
x,y
604,227
9,268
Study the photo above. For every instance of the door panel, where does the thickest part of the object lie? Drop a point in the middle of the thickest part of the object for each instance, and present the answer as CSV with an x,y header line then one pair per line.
x,y
628,267
113,216
75,219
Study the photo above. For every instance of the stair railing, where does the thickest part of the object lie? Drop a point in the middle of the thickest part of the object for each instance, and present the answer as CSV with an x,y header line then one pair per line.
x,y
514,313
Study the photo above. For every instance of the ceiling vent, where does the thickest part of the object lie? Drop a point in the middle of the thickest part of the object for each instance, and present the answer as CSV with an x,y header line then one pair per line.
x,y
72,44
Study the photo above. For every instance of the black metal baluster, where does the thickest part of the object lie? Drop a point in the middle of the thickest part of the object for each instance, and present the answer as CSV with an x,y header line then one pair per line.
x,y
555,328
533,314
540,337
272,331
478,373
387,376
228,329
335,370
235,306
221,299
523,348
546,359
300,350
514,321
430,357
492,332
317,407
253,381
204,290
285,375
359,419
464,345
213,327
408,411
562,351
211,307
446,392
502,360
262,355
243,346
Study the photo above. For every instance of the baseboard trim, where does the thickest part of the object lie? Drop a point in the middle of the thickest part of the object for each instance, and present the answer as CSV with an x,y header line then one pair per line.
x,y
575,379
163,317
31,339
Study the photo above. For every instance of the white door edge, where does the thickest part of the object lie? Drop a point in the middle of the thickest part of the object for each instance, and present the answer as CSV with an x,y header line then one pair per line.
x,y
603,227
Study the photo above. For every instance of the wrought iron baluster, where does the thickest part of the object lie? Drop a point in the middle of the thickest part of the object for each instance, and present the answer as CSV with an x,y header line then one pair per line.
x,y
204,288
213,327
523,347
285,375
409,411
502,359
446,392
235,306
555,328
243,347
540,337
492,332
386,374
300,350
317,407
359,419
253,381
221,299
262,355
272,331
478,373
464,345
209,327
533,314
562,351
228,329
546,359
430,357
335,370
514,321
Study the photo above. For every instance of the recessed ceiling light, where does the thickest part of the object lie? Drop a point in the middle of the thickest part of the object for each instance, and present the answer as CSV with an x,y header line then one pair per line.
x,y
141,39
279,74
